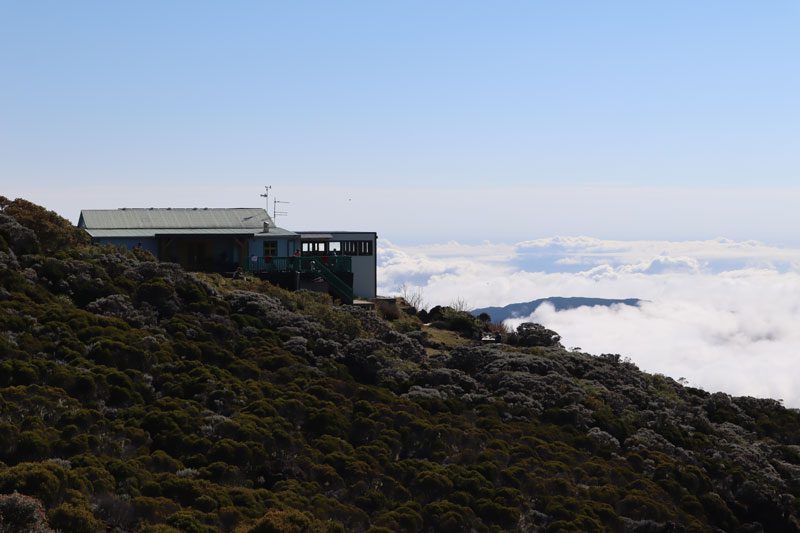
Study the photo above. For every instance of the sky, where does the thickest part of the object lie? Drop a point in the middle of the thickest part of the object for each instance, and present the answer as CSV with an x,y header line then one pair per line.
x,y
399,106
503,151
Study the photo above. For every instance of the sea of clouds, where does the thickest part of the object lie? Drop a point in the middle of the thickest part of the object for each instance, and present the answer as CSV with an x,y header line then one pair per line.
x,y
722,314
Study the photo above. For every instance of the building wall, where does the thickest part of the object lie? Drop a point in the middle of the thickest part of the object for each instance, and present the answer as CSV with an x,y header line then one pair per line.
x,y
286,246
364,266
364,277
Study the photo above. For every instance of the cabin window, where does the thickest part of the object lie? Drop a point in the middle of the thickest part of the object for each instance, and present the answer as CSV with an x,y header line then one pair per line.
x,y
357,248
348,247
364,247
270,248
351,248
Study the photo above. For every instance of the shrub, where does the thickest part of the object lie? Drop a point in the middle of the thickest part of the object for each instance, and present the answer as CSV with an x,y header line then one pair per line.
x,y
22,513
388,309
451,319
43,481
160,294
158,528
447,516
286,521
532,334
115,510
33,445
231,452
189,522
154,509
401,518
122,356
161,461
20,239
718,512
53,232
229,516
432,485
205,503
497,513
9,437
68,517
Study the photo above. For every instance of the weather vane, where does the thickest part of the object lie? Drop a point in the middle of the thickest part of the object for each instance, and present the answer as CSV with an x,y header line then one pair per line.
x,y
266,195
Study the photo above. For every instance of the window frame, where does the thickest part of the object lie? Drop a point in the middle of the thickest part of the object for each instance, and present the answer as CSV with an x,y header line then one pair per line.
x,y
273,245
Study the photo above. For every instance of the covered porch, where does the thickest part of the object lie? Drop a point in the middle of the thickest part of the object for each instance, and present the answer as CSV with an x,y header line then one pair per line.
x,y
206,253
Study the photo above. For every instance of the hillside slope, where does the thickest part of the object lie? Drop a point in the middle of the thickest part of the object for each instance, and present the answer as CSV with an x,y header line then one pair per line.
x,y
137,397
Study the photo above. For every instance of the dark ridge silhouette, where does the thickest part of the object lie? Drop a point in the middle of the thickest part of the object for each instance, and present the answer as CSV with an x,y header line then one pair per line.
x,y
525,309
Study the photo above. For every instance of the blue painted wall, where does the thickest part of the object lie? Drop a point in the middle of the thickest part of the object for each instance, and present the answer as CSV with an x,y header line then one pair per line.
x,y
286,246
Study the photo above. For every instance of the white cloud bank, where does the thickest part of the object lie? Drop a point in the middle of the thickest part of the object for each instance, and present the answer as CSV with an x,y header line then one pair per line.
x,y
725,315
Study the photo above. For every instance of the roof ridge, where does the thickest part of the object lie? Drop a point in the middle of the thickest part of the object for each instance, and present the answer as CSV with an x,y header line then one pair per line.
x,y
181,217
177,209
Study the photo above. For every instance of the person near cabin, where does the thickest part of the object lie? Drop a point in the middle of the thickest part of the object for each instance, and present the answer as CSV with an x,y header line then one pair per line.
x,y
294,260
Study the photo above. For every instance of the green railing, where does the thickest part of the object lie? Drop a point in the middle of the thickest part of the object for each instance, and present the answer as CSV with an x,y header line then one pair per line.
x,y
342,289
334,263
325,266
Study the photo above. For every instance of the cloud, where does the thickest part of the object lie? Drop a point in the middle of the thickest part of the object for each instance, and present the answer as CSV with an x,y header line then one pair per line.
x,y
666,265
424,265
719,313
714,254
740,350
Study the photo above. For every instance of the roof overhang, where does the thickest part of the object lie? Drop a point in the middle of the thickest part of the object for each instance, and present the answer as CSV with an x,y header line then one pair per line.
x,y
199,232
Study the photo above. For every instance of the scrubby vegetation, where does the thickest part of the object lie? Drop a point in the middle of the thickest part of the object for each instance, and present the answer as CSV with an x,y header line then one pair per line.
x,y
135,396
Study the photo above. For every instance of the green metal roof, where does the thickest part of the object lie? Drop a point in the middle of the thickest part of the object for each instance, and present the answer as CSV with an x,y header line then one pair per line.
x,y
205,218
148,222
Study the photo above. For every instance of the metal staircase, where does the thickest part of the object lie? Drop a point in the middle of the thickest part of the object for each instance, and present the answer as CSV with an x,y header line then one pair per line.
x,y
342,289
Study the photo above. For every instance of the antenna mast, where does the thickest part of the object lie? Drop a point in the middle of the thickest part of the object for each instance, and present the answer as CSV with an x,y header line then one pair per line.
x,y
275,211
266,196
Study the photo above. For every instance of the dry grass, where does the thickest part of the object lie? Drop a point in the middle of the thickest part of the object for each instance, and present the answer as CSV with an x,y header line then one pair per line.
x,y
448,339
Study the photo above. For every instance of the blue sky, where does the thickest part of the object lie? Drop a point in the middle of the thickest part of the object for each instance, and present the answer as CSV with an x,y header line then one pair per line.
x,y
177,103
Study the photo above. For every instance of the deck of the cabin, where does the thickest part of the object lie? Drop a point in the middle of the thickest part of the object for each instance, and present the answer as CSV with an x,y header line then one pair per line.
x,y
332,273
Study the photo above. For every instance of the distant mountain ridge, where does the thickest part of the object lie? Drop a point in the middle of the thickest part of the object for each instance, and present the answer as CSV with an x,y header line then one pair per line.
x,y
524,309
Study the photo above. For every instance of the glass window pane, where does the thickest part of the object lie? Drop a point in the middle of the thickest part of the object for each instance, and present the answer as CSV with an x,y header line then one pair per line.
x,y
270,248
